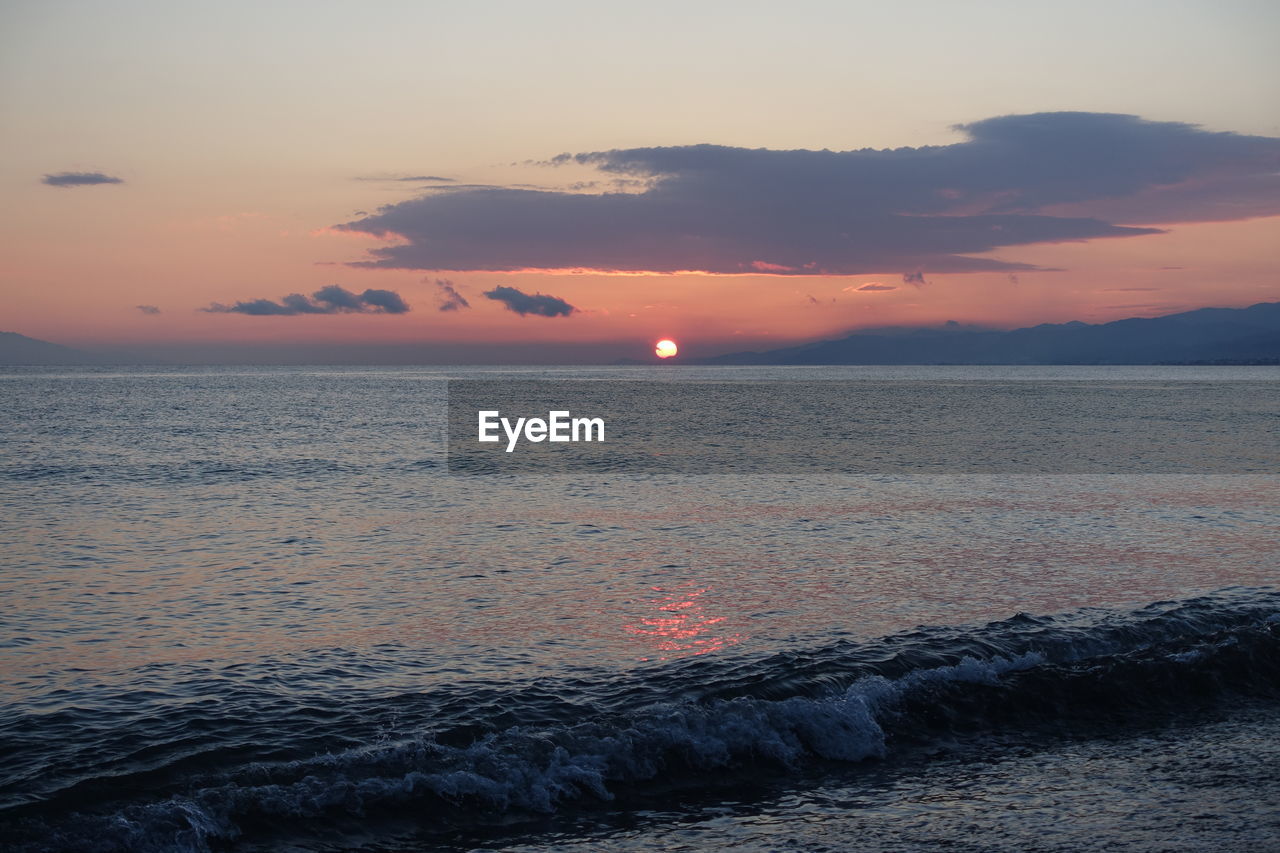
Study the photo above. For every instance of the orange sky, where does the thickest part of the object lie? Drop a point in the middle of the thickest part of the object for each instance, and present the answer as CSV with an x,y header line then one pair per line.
x,y
1230,264
241,140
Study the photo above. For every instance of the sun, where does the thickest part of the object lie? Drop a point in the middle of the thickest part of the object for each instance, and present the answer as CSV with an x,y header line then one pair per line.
x,y
665,348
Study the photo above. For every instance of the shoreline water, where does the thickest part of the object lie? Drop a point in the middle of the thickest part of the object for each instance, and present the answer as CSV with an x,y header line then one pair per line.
x,y
247,614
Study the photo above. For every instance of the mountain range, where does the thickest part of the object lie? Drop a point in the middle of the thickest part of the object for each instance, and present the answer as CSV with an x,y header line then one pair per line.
x,y
16,349
1204,336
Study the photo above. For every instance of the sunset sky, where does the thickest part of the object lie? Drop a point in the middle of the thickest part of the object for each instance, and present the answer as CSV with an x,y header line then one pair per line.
x,y
570,181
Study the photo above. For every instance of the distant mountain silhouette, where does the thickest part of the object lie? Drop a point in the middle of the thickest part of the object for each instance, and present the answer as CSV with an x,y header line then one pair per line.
x,y
16,349
1205,336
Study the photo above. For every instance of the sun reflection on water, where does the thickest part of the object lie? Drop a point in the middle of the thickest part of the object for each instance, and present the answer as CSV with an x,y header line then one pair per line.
x,y
683,624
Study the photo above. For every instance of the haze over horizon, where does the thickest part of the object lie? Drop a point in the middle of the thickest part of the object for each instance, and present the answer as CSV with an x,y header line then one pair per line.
x,y
574,186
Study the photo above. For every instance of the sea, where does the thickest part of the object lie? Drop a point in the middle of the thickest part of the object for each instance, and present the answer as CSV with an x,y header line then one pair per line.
x,y
265,608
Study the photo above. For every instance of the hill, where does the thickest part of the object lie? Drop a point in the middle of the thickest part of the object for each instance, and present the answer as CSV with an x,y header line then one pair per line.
x,y
1204,336
16,349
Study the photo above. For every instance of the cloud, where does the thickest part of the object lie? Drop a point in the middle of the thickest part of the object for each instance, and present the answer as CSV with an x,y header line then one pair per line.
x,y
407,179
537,304
147,309
914,278
255,307
333,299
386,301
1015,180
870,287
79,179
451,300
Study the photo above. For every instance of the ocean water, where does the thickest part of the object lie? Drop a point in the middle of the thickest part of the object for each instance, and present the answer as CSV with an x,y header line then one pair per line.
x,y
252,609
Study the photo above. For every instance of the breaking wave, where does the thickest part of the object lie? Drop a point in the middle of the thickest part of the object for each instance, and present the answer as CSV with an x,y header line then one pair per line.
x,y
657,729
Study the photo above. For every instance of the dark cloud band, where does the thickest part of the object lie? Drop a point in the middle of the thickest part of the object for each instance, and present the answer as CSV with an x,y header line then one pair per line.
x,y
79,179
1017,180
333,299
537,304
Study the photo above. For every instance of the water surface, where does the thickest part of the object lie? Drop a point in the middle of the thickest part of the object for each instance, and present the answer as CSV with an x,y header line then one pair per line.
x,y
251,608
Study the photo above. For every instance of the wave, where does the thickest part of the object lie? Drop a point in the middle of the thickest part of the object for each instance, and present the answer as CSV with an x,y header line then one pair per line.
x,y
847,702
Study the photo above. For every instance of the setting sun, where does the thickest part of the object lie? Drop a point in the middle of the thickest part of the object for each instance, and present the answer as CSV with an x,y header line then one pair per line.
x,y
665,348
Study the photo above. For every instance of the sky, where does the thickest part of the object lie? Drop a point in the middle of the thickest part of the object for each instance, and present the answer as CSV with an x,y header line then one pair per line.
x,y
571,181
